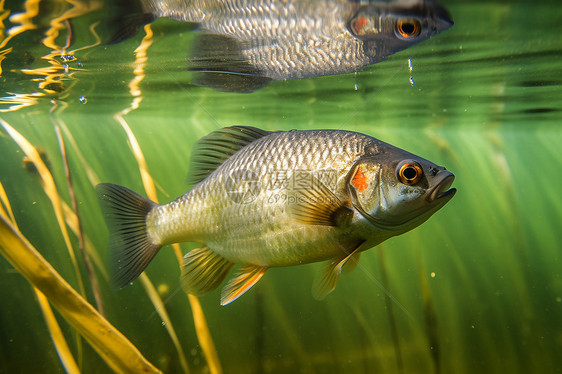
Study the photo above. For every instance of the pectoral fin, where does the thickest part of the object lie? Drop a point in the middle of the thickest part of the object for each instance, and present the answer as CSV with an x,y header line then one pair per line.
x,y
125,19
127,26
218,63
203,270
351,264
245,278
327,282
317,205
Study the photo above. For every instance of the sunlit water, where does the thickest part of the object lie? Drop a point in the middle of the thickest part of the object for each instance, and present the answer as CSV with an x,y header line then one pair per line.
x,y
477,288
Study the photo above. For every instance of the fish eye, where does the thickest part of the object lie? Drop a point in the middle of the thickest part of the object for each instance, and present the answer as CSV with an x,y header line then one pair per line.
x,y
407,28
409,172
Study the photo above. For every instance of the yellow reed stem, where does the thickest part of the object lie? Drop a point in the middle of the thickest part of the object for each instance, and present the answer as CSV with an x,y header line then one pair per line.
x,y
430,319
6,204
56,334
72,222
202,330
50,189
150,189
90,173
80,233
161,310
204,335
52,325
390,311
118,352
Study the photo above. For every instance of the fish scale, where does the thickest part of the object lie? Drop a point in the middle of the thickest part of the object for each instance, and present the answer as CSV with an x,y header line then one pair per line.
x,y
277,199
293,39
280,152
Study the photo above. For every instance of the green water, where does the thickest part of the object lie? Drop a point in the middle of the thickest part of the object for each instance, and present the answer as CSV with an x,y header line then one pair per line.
x,y
486,104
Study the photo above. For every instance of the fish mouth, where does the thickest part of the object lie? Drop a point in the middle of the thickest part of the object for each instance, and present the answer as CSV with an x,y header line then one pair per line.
x,y
444,20
441,189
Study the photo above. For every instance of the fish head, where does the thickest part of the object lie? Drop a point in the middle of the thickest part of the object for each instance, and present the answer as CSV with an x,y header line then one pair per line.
x,y
387,28
397,191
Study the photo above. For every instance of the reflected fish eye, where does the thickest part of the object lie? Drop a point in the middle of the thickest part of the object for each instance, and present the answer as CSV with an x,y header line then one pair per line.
x,y
408,28
409,172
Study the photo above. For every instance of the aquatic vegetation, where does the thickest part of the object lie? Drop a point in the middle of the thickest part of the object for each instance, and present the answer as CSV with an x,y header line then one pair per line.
x,y
478,282
117,351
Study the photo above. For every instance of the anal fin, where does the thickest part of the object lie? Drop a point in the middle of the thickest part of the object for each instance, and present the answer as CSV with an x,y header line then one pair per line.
x,y
246,277
203,270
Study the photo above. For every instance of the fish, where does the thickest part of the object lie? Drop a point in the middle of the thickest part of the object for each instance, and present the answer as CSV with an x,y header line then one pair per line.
x,y
266,199
242,45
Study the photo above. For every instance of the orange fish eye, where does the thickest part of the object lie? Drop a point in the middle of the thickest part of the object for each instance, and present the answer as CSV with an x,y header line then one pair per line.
x,y
408,28
409,173
360,181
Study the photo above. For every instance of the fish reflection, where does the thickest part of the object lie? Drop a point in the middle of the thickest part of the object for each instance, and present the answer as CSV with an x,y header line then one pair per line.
x,y
244,44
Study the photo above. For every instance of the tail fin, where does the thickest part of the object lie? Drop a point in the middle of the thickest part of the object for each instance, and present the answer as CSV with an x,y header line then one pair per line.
x,y
130,247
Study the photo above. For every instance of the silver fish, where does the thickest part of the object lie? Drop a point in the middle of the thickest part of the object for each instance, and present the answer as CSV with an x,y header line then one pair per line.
x,y
244,44
267,199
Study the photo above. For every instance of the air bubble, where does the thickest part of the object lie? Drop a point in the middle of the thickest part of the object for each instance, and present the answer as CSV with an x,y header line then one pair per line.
x,y
67,58
411,67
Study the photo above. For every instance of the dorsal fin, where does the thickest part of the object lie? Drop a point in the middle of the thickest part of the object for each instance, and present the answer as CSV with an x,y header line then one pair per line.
x,y
212,150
